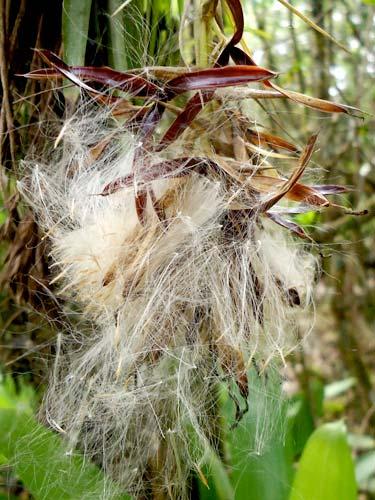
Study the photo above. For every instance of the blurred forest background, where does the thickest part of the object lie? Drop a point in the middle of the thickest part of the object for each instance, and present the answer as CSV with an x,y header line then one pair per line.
x,y
331,376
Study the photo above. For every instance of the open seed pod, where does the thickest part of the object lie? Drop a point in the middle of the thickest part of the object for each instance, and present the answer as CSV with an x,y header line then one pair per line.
x,y
164,227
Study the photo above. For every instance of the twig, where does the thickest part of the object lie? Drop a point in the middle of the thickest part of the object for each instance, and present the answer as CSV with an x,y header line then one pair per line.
x,y
5,83
313,25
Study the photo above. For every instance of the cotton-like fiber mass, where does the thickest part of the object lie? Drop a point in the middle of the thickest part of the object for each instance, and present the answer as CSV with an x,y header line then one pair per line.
x,y
164,310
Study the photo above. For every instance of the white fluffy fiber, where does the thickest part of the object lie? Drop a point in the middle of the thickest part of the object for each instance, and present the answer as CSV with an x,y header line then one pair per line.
x,y
159,313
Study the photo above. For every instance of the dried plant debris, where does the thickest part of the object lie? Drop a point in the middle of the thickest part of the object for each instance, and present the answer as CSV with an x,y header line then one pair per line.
x,y
25,269
164,224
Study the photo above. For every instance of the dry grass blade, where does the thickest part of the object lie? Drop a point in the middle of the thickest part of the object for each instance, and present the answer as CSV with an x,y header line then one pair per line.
x,y
313,25
315,103
271,140
6,100
120,8
287,186
267,153
25,269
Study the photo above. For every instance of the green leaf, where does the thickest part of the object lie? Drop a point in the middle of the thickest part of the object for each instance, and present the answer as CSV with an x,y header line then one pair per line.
x,y
207,490
217,477
301,422
45,465
260,447
40,458
21,400
211,473
326,470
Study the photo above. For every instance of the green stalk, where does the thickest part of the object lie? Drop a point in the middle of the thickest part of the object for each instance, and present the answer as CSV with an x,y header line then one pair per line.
x,y
75,27
117,51
200,34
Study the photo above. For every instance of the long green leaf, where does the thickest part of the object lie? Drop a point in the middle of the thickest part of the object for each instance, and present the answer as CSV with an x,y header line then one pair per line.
x,y
260,447
326,469
223,488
